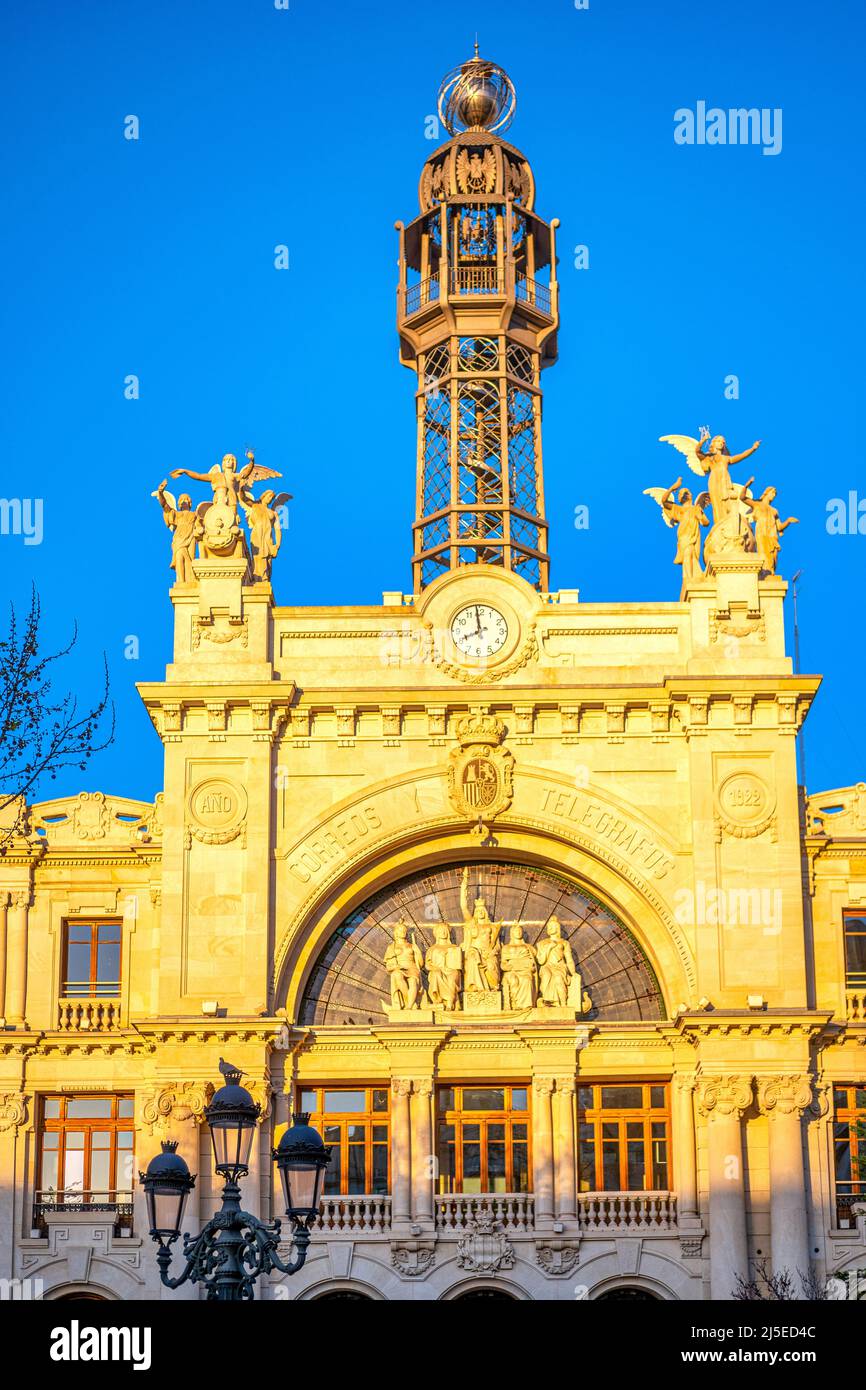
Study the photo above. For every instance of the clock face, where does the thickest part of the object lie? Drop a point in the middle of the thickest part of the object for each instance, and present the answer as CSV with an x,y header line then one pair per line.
x,y
479,631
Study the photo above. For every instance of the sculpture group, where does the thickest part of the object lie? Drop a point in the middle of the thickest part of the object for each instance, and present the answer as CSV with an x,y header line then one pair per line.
x,y
741,523
482,973
215,525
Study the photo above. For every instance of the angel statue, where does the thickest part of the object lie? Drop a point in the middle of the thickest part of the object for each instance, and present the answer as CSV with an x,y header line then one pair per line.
x,y
186,528
688,516
222,535
266,534
710,456
768,528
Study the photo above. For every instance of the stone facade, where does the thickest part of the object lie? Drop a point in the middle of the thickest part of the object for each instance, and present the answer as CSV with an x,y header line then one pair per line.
x,y
307,762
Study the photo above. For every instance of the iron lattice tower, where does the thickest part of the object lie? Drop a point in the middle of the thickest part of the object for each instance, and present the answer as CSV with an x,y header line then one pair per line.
x,y
478,313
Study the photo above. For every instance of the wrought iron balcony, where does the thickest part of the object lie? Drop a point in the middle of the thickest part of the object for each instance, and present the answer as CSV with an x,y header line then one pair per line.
x,y
420,295
78,1200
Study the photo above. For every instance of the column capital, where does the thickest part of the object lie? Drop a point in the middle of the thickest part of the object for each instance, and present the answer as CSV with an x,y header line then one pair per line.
x,y
724,1096
422,1085
401,1087
173,1103
20,897
13,1110
566,1085
685,1081
784,1095
543,1085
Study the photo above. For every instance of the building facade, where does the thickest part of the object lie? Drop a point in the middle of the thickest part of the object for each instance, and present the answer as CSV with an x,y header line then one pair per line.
x,y
516,895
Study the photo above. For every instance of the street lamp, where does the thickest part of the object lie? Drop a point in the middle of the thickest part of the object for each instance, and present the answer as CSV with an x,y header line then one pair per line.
x,y
235,1248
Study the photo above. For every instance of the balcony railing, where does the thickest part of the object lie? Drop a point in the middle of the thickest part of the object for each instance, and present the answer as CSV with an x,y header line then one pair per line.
x,y
631,1211
477,279
458,1211
93,1015
534,293
369,1214
425,292
855,1003
119,1203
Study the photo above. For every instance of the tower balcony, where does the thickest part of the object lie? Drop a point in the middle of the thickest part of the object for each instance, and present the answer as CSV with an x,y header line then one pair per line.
x,y
491,285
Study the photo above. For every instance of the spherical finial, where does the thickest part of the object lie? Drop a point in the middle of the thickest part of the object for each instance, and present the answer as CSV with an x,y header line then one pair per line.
x,y
478,95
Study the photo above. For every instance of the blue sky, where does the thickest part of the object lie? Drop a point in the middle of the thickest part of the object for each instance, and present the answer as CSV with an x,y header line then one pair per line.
x,y
305,126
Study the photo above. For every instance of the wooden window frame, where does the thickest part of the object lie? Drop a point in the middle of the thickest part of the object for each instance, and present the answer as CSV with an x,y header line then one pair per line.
x,y
458,1118
97,989
369,1118
647,1115
854,979
852,1115
64,1124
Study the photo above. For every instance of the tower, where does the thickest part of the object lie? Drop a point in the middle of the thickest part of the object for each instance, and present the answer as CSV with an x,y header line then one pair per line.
x,y
478,313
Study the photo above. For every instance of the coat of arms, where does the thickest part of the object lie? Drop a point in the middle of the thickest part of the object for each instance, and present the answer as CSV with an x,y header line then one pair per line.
x,y
480,772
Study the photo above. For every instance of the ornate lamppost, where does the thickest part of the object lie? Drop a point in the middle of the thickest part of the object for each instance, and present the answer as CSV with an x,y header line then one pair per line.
x,y
235,1248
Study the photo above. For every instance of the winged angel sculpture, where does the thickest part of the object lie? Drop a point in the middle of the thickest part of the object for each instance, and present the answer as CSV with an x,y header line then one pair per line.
x,y
734,508
215,524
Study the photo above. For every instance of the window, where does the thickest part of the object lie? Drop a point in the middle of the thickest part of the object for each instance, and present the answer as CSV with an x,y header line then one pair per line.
x,y
624,1138
483,1138
91,960
356,1124
86,1151
849,1142
855,950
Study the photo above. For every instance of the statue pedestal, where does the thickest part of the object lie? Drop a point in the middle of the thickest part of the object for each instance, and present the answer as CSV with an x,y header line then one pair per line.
x,y
490,1002
396,1015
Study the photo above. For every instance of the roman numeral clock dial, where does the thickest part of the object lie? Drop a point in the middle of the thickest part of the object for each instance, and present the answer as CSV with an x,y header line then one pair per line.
x,y
479,631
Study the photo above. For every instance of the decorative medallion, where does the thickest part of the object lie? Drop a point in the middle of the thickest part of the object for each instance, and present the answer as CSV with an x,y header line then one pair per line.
x,y
480,773
217,811
744,805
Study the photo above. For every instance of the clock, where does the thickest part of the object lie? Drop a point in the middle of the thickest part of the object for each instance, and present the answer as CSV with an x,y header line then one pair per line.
x,y
479,631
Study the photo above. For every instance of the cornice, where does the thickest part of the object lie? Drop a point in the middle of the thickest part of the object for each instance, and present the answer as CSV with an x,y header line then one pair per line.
x,y
748,1023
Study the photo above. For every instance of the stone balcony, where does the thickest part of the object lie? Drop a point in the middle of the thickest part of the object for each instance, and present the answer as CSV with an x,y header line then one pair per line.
x,y
77,1014
855,1004
362,1215
598,1213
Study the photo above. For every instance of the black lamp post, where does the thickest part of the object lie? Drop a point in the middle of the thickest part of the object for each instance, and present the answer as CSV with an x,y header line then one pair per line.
x,y
234,1249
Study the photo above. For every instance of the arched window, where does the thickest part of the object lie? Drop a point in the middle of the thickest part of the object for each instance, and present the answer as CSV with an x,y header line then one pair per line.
x,y
349,983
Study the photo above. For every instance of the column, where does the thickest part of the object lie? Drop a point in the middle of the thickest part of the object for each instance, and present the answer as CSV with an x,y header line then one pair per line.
x,y
16,959
566,1173
423,1156
723,1100
13,1115
783,1099
684,1156
401,1168
542,1149
4,905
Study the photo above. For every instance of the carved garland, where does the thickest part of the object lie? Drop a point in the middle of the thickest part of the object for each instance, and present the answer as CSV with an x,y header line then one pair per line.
x,y
527,652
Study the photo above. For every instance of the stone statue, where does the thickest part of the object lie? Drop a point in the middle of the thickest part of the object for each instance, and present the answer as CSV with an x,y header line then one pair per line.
x,y
559,982
443,965
266,533
768,528
222,536
481,971
688,516
186,528
733,535
403,961
713,460
519,976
